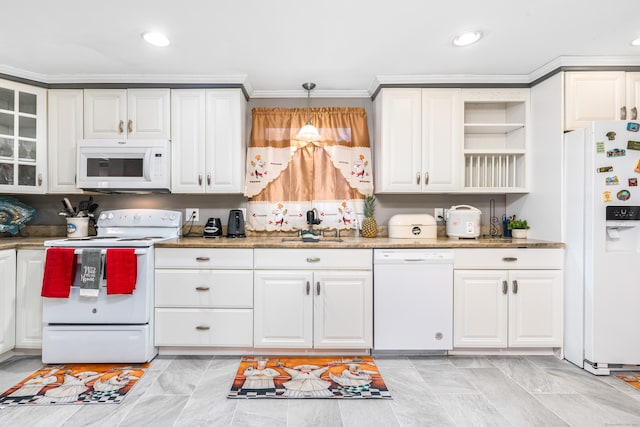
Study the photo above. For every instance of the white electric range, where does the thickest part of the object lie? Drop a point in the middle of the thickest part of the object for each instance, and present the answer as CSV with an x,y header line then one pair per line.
x,y
109,328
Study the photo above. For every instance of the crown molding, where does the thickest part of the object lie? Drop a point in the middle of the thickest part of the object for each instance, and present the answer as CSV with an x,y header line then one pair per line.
x,y
314,94
560,63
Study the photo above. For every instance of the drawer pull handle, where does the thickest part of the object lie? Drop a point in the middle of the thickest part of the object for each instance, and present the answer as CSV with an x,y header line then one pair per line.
x,y
203,258
314,259
308,287
623,113
634,113
417,178
515,286
202,288
509,259
505,287
318,288
203,327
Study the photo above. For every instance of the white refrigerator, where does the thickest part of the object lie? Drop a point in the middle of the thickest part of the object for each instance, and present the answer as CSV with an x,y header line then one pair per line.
x,y
601,227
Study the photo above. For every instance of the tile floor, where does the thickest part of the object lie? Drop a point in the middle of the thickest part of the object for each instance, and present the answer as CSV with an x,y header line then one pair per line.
x,y
428,391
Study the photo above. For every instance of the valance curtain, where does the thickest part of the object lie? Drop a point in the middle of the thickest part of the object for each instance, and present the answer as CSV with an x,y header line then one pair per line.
x,y
286,177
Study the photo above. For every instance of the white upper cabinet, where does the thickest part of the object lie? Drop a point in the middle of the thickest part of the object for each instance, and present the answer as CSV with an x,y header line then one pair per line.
x,y
600,95
208,140
23,138
65,130
127,113
418,140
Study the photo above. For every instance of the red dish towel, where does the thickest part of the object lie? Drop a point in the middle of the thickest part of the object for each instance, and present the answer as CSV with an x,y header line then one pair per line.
x,y
59,272
122,271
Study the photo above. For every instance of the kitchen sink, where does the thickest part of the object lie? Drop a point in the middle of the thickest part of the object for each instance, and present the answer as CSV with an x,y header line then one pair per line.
x,y
322,239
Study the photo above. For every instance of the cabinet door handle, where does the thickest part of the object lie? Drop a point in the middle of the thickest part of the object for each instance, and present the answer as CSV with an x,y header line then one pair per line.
x,y
130,126
515,286
634,113
208,179
308,287
418,178
202,288
203,258
121,127
509,259
203,327
314,259
623,113
199,179
39,180
318,288
426,178
505,287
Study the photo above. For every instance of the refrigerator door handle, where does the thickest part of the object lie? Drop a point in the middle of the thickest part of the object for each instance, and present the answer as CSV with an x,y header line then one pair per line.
x,y
623,113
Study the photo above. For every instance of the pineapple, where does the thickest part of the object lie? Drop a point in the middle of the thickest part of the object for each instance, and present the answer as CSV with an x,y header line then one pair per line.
x,y
369,225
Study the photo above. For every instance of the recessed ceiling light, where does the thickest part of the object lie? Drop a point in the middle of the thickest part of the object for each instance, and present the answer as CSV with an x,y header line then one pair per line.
x,y
466,39
156,39
636,42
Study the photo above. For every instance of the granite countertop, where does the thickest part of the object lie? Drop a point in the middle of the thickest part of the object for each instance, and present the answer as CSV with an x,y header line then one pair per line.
x,y
354,243
324,243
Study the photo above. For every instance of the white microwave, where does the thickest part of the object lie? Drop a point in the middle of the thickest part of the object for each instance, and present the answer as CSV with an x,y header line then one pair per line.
x,y
124,165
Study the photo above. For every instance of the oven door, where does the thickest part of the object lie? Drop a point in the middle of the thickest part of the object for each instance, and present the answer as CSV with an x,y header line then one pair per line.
x,y
133,308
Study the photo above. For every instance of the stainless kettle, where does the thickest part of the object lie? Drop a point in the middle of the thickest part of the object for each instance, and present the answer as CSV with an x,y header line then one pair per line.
x,y
235,226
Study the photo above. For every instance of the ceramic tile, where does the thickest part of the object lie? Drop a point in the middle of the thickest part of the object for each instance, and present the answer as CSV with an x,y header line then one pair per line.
x,y
445,378
529,376
392,362
510,400
161,362
471,409
470,362
316,413
260,413
156,411
549,362
413,402
42,416
368,413
565,405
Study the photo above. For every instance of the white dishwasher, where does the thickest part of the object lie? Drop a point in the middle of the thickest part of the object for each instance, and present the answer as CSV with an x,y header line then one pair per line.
x,y
413,299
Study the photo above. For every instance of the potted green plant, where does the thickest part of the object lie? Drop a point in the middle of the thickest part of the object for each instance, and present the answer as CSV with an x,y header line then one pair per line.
x,y
518,228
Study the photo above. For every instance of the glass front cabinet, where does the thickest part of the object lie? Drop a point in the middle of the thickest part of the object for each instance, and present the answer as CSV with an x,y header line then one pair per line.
x,y
23,137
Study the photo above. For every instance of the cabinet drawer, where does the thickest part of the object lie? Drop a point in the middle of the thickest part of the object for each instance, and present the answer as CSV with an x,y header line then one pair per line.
x,y
513,258
353,259
203,258
204,327
204,288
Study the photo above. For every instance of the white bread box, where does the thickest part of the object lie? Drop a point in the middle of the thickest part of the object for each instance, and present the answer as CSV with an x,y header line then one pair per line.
x,y
413,226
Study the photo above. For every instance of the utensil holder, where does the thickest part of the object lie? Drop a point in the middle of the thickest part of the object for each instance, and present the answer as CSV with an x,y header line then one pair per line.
x,y
78,227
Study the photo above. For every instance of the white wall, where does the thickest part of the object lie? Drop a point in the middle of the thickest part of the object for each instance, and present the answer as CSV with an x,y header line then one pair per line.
x,y
542,206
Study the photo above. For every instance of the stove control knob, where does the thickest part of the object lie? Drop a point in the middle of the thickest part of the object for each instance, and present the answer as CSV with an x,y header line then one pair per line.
x,y
172,217
102,216
110,216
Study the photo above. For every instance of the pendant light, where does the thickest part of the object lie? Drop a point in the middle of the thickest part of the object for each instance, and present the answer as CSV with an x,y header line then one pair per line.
x,y
308,133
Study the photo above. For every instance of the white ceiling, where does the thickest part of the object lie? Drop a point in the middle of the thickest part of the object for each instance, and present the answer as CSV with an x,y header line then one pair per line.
x,y
274,46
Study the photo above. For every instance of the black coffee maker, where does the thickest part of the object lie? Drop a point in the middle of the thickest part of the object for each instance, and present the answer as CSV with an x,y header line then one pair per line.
x,y
235,226
213,228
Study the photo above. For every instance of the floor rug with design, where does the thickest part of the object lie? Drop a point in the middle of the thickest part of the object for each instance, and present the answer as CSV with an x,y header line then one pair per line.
x,y
317,377
632,380
75,384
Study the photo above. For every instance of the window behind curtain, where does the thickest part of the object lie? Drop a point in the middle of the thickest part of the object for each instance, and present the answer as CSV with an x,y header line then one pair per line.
x,y
286,177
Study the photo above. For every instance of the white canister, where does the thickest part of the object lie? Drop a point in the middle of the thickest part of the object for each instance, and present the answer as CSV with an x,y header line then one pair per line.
x,y
78,227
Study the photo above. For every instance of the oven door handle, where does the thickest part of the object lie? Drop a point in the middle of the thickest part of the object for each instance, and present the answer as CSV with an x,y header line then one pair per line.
x,y
104,251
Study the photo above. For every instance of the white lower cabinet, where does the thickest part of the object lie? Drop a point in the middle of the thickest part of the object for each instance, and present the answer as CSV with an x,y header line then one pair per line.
x,y
204,297
29,273
496,306
7,300
313,298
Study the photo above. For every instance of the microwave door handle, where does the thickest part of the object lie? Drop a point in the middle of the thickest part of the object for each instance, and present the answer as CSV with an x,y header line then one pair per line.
x,y
146,165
